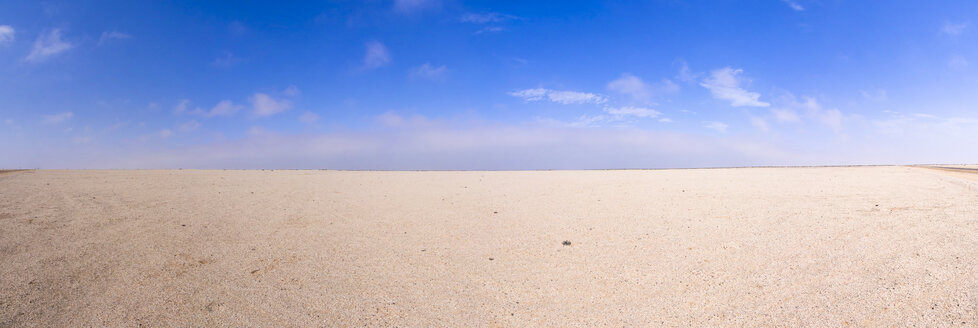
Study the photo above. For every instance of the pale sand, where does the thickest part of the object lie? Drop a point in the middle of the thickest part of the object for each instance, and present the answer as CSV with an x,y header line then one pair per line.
x,y
864,246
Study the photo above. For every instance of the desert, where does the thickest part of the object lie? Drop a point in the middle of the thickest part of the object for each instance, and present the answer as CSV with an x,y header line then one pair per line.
x,y
804,246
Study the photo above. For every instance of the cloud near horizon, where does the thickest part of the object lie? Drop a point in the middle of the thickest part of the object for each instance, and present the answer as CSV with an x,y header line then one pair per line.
x,y
561,97
417,142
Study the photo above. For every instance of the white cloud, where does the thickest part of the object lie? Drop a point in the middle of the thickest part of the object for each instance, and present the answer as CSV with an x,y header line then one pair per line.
x,y
829,117
953,29
716,126
166,133
490,29
615,117
724,84
785,115
6,34
794,5
638,90
57,118
223,108
630,85
376,55
665,120
48,45
643,112
427,71
292,91
183,107
308,118
483,18
581,121
876,96
685,74
265,105
188,126
562,97
112,35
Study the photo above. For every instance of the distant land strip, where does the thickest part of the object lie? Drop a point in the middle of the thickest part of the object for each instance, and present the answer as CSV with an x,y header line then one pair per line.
x,y
955,169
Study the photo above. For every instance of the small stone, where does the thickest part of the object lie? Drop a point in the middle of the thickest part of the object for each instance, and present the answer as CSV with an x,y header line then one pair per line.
x,y
566,243
491,259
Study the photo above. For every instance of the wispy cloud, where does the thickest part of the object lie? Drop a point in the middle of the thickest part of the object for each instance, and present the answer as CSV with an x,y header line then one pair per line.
x,y
47,45
830,117
485,18
376,55
724,84
6,34
794,5
626,111
413,6
760,123
57,118
188,126
785,115
876,96
639,90
427,71
630,85
308,117
112,35
562,97
227,59
954,29
292,91
685,74
614,116
493,19
182,107
490,29
716,126
265,105
223,108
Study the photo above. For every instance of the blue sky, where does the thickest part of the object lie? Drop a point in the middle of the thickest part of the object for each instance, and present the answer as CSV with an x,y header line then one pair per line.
x,y
438,84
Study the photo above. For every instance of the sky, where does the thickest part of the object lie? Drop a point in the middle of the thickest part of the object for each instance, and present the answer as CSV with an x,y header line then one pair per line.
x,y
489,85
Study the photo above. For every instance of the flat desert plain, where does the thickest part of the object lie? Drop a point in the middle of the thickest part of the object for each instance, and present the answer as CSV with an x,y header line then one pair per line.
x,y
830,246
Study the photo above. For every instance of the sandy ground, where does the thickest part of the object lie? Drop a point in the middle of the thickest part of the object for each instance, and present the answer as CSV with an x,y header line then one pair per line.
x,y
862,246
